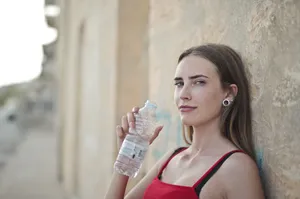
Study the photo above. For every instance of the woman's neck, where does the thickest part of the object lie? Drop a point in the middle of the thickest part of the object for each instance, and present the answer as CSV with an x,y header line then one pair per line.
x,y
207,137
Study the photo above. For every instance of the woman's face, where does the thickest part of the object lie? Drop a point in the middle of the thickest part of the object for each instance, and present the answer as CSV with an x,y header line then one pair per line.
x,y
198,91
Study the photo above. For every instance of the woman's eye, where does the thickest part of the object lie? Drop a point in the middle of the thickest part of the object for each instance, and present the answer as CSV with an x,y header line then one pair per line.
x,y
200,82
178,84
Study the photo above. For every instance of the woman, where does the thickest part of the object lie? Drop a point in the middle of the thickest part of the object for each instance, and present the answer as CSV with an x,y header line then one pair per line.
x,y
213,99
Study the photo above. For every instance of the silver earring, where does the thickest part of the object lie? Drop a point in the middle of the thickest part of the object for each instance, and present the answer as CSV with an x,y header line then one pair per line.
x,y
226,102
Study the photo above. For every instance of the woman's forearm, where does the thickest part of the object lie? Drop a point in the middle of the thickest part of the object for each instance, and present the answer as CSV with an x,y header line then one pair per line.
x,y
117,186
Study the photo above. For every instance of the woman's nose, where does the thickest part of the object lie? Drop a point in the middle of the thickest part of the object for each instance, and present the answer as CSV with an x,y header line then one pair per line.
x,y
185,94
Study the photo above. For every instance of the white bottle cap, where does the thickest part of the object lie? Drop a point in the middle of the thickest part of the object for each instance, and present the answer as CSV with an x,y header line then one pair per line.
x,y
150,104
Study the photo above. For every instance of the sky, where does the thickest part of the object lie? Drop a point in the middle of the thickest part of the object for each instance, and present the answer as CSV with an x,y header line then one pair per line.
x,y
23,31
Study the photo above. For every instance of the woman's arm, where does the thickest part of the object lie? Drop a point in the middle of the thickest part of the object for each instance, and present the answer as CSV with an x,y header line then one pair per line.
x,y
117,187
119,182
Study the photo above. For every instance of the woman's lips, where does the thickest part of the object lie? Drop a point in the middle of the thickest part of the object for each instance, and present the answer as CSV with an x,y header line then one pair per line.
x,y
187,108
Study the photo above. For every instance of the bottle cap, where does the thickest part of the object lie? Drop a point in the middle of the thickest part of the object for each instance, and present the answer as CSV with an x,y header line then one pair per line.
x,y
150,104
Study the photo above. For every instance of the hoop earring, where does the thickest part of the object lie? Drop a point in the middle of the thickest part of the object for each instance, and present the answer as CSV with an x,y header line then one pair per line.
x,y
226,102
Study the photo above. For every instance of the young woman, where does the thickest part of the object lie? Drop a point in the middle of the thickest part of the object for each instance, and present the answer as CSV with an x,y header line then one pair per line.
x,y
213,99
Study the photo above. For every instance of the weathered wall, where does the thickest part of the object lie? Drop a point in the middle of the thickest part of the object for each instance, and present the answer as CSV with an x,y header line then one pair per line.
x,y
87,95
67,92
103,56
115,54
267,34
97,97
132,71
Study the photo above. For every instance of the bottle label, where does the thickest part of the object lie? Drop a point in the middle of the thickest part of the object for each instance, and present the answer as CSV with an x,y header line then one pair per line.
x,y
133,150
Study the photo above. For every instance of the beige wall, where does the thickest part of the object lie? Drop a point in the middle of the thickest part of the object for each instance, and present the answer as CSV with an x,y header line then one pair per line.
x,y
97,97
113,55
67,93
267,33
132,73
87,95
102,56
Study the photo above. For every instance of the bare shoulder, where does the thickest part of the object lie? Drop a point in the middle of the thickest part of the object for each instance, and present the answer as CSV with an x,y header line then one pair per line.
x,y
240,162
240,177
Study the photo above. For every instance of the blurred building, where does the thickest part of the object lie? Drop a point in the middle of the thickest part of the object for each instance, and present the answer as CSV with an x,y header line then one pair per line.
x,y
27,89
113,55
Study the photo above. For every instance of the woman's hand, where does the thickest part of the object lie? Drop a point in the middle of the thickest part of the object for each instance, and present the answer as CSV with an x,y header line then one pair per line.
x,y
128,121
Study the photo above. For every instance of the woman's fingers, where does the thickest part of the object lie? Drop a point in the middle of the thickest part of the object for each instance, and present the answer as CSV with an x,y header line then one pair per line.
x,y
125,125
128,121
120,136
131,120
156,133
135,109
120,132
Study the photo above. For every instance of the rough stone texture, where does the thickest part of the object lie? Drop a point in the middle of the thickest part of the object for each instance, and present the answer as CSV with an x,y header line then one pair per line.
x,y
266,33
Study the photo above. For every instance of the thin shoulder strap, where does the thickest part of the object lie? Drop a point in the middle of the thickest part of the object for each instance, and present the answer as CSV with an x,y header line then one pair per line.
x,y
170,158
203,180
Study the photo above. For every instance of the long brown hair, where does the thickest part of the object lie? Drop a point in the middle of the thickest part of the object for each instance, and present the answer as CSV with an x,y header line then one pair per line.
x,y
236,119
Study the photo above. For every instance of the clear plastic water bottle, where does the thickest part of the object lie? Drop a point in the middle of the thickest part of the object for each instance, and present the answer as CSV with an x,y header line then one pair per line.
x,y
136,143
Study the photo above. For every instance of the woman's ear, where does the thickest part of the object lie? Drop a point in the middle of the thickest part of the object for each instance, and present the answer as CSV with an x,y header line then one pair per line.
x,y
232,92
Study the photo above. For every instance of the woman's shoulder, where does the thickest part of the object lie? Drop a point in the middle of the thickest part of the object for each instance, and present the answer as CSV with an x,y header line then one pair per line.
x,y
240,161
240,173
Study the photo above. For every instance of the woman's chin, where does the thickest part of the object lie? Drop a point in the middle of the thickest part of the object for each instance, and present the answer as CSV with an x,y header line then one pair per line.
x,y
187,121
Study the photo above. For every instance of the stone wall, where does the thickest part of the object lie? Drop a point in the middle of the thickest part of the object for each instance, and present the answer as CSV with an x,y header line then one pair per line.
x,y
267,34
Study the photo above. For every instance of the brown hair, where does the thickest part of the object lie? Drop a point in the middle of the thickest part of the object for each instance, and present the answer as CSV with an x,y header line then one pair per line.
x,y
236,119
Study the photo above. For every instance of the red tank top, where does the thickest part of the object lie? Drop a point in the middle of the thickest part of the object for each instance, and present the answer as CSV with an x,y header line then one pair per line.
x,y
161,190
